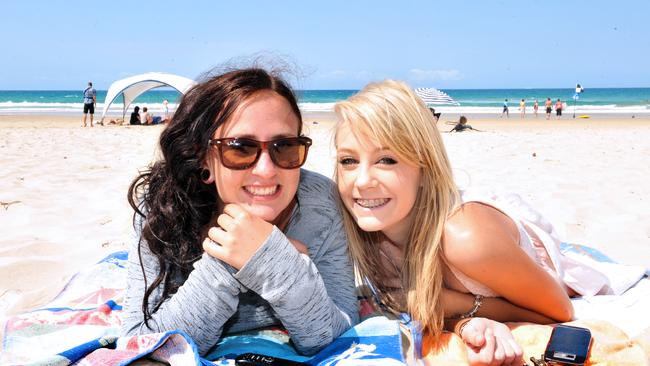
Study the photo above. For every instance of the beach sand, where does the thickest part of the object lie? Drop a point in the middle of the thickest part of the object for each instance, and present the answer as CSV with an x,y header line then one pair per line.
x,y
63,188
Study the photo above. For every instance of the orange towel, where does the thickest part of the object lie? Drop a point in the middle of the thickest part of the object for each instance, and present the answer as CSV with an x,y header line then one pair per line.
x,y
610,346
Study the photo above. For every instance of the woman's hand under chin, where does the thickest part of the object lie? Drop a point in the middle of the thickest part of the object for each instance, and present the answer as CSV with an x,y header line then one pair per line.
x,y
490,343
239,235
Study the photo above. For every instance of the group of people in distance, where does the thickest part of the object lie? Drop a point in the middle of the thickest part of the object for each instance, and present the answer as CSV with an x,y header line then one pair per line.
x,y
146,118
137,117
548,105
233,235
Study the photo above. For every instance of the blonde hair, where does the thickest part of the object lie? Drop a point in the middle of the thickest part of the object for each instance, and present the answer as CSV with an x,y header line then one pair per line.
x,y
392,115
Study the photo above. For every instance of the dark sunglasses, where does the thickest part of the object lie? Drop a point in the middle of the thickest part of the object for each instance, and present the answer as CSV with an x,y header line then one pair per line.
x,y
243,153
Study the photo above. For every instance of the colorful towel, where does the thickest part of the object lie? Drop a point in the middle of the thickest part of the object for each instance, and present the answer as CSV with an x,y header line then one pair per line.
x,y
82,325
85,310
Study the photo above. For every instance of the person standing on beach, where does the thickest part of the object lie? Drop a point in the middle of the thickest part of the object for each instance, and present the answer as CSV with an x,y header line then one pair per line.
x,y
166,108
558,108
505,109
90,100
549,108
535,108
522,109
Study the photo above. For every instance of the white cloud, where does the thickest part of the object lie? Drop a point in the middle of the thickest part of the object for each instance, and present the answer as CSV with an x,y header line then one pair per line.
x,y
434,75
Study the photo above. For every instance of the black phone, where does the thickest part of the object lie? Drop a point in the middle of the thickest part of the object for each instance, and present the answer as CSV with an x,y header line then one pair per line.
x,y
568,346
254,359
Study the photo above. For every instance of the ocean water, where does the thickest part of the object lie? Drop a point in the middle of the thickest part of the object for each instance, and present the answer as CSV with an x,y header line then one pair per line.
x,y
484,101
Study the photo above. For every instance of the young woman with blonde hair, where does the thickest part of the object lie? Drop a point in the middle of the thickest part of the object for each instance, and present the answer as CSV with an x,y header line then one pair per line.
x,y
420,244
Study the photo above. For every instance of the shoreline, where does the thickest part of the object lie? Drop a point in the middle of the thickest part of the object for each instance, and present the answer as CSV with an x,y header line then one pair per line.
x,y
514,114
444,124
64,187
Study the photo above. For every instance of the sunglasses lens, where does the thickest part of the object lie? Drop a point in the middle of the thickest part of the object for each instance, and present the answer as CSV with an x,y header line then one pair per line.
x,y
238,153
289,153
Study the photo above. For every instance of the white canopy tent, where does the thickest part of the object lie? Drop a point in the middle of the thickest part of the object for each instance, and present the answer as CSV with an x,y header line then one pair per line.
x,y
133,86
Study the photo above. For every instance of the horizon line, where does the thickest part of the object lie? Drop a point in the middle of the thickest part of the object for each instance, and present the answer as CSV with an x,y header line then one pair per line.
x,y
347,89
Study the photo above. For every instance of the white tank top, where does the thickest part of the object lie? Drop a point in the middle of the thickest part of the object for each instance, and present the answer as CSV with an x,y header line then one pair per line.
x,y
540,241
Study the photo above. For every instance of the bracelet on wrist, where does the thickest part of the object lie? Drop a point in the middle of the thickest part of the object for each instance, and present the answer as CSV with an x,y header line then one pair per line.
x,y
462,327
478,301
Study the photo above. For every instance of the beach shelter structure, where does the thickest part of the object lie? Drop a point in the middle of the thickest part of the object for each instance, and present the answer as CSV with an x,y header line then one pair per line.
x,y
131,87
435,96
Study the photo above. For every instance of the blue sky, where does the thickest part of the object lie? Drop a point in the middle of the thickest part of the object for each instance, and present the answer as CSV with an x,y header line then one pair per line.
x,y
336,44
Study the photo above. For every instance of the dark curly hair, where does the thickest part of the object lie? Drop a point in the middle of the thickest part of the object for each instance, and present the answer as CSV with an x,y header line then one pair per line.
x,y
175,206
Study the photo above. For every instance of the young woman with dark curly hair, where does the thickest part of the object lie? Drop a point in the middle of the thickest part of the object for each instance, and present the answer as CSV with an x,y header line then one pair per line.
x,y
231,234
